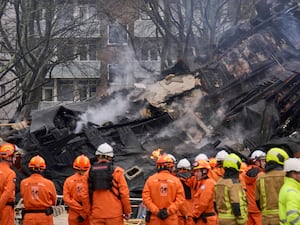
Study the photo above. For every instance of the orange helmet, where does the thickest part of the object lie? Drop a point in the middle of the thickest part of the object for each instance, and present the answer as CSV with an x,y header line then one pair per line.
x,y
164,161
201,164
37,162
213,162
7,149
81,163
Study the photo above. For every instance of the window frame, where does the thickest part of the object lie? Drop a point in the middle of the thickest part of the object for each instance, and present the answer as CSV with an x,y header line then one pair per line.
x,y
123,76
109,42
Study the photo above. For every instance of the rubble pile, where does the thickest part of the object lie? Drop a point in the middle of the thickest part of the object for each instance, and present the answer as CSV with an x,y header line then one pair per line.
x,y
247,97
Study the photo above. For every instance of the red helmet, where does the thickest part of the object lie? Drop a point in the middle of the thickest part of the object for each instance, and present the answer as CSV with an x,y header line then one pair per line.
x,y
81,163
201,164
7,149
37,162
164,161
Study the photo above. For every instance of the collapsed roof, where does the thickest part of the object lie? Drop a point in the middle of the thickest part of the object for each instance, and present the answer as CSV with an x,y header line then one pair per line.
x,y
248,97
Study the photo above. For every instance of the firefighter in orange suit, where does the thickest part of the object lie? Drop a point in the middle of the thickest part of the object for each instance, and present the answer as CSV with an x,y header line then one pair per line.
x,y
72,192
255,169
108,190
163,194
7,184
203,210
218,171
39,195
230,197
267,186
184,175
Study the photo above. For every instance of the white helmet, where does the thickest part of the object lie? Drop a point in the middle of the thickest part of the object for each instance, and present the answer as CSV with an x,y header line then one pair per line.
x,y
173,158
292,164
201,156
105,149
184,164
257,154
220,156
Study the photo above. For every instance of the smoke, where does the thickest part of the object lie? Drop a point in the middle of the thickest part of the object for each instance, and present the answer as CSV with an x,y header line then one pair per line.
x,y
116,107
119,104
133,71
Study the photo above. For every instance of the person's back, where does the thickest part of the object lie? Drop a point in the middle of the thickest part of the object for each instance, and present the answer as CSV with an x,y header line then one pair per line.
x,y
289,195
108,190
39,195
163,194
230,197
217,172
7,184
72,193
185,211
257,164
109,203
268,185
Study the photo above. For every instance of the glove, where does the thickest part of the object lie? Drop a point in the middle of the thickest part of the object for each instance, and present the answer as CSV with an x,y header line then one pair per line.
x,y
185,217
252,172
163,214
126,216
80,219
195,219
49,211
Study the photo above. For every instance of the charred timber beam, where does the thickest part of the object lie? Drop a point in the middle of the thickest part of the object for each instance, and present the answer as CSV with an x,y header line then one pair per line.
x,y
291,92
262,24
292,109
237,83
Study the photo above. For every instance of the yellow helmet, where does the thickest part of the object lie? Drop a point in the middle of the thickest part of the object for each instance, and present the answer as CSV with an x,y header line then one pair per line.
x,y
232,161
277,155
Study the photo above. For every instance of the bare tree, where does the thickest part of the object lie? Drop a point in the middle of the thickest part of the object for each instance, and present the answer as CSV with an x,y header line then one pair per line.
x,y
188,27
32,32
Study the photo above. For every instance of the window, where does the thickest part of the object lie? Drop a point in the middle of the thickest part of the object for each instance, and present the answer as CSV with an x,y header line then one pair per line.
x,y
65,90
92,88
66,13
65,51
86,88
87,52
48,90
116,74
88,12
83,52
117,34
153,54
83,12
149,53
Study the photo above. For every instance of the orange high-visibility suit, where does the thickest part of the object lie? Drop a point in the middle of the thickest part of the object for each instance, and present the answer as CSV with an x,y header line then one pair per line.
x,y
7,194
216,173
72,193
204,203
163,190
254,214
108,206
185,211
38,194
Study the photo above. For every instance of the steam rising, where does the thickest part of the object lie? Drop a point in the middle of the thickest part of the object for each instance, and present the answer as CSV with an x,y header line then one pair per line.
x,y
117,106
